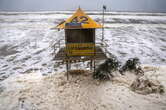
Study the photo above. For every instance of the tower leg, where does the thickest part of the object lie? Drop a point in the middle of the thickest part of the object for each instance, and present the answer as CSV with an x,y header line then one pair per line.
x,y
67,69
94,66
91,64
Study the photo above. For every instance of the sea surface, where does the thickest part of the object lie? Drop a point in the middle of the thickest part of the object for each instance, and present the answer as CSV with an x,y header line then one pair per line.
x,y
26,39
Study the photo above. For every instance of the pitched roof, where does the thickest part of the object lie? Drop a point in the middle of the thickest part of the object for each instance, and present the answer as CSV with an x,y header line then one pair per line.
x,y
79,20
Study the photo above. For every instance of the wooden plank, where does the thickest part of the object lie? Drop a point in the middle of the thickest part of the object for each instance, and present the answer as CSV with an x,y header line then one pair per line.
x,y
74,60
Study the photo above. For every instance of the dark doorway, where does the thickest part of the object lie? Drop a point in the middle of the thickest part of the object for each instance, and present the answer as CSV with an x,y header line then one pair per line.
x,y
80,35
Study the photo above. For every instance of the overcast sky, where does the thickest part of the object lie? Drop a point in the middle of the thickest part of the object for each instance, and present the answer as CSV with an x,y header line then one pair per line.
x,y
51,5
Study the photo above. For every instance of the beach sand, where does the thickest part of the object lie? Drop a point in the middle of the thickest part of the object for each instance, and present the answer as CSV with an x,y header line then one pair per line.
x,y
81,92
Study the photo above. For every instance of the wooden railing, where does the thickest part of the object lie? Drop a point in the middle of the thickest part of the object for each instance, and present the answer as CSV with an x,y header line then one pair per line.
x,y
61,43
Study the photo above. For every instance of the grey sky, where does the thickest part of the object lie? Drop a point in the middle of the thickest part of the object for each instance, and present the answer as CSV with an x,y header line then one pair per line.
x,y
51,5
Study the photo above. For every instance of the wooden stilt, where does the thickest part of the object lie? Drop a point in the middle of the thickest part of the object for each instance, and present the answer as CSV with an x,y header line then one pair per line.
x,y
94,66
67,69
91,64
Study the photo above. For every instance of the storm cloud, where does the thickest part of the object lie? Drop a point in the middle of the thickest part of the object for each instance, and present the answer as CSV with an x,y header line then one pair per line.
x,y
115,5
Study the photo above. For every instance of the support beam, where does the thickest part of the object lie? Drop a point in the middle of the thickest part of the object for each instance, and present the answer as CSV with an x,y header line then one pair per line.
x,y
94,66
67,69
91,64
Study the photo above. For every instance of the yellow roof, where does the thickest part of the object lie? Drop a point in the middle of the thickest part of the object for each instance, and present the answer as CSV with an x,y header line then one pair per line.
x,y
79,20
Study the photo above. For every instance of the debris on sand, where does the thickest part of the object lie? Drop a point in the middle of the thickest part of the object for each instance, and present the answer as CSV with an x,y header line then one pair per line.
x,y
104,71
143,85
132,64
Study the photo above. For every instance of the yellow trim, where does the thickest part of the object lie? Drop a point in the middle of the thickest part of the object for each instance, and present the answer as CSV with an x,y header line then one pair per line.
x,y
80,17
80,49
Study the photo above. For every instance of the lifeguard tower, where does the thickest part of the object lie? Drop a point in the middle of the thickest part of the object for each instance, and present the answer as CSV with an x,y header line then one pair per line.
x,y
80,41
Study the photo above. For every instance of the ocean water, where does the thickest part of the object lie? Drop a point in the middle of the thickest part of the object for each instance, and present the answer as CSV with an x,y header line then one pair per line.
x,y
26,39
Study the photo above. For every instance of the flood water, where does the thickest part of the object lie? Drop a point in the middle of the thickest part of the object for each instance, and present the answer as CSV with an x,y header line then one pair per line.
x,y
26,39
